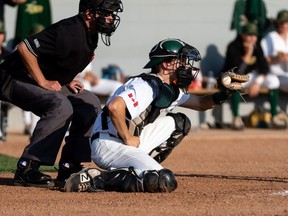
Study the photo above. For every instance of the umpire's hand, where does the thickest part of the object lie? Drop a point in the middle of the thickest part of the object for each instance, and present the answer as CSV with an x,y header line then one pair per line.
x,y
76,86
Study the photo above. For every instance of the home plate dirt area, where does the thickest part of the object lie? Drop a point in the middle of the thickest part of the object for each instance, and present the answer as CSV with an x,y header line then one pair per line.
x,y
219,172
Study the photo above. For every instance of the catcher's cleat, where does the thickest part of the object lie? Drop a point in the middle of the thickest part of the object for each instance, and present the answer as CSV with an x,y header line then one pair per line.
x,y
32,177
66,169
82,181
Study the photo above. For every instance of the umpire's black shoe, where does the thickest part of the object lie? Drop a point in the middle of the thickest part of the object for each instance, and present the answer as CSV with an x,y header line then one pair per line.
x,y
27,174
66,169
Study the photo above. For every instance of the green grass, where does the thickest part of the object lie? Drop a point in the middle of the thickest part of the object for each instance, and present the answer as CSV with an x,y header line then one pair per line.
x,y
8,164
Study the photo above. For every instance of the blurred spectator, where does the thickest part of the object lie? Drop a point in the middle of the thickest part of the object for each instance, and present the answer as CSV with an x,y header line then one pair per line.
x,y
29,15
253,11
113,72
99,86
275,48
4,52
8,2
197,83
246,54
5,106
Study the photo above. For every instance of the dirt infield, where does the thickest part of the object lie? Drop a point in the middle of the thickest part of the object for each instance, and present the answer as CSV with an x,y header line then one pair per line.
x,y
219,172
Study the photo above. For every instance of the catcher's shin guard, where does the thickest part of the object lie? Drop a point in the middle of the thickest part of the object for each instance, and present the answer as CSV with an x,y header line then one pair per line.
x,y
126,180
122,180
159,181
183,126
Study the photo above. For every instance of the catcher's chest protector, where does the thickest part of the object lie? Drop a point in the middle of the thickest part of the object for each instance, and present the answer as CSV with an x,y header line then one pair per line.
x,y
165,95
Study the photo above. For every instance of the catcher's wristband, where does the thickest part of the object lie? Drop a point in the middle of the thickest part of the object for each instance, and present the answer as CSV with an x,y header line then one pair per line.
x,y
220,97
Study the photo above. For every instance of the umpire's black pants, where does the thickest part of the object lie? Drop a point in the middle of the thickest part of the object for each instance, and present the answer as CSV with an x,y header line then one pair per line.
x,y
56,111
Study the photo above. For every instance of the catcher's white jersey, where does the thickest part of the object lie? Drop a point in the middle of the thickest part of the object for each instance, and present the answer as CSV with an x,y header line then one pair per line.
x,y
138,95
109,151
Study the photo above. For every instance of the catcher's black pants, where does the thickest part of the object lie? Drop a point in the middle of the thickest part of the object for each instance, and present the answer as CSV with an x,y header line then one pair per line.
x,y
57,111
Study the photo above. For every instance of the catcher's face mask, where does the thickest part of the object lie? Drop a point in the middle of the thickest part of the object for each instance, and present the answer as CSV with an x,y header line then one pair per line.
x,y
186,73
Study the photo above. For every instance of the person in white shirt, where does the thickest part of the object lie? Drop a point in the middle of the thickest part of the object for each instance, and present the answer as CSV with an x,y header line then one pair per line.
x,y
275,48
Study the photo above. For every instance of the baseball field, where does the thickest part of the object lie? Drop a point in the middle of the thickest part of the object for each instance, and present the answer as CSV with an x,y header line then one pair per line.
x,y
219,172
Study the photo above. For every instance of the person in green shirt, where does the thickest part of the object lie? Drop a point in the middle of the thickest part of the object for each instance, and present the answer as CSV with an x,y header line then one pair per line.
x,y
250,11
30,14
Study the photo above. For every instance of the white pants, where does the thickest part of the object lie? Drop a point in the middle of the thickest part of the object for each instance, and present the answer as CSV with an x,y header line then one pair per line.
x,y
270,81
282,74
283,82
109,152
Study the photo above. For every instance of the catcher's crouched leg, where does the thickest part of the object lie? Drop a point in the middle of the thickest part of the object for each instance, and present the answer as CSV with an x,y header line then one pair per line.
x,y
183,126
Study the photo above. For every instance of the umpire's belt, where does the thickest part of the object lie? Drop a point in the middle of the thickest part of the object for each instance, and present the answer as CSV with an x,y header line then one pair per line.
x,y
97,135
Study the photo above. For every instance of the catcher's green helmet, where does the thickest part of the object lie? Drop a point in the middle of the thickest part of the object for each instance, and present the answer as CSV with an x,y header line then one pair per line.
x,y
170,48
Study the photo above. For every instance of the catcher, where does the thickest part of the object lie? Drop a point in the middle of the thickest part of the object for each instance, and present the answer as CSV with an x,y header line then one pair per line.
x,y
137,129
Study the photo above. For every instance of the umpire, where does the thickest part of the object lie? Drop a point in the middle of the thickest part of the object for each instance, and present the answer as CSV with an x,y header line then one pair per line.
x,y
38,77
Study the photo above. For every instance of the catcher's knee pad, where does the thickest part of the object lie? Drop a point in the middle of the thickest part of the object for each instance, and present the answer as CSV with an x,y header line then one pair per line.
x,y
182,123
182,128
122,180
159,181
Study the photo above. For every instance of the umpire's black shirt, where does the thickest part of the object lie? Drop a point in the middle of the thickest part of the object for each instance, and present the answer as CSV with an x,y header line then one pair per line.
x,y
63,50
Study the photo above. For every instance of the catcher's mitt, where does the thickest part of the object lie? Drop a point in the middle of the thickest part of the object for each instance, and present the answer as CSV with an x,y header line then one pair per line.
x,y
231,81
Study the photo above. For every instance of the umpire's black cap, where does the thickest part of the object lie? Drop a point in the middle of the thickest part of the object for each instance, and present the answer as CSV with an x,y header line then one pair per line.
x,y
89,4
